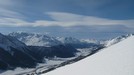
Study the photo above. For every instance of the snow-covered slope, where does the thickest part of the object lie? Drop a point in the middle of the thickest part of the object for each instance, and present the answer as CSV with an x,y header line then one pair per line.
x,y
35,39
114,60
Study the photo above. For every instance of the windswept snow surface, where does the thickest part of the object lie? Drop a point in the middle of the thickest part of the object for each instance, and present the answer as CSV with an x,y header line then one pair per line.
x,y
114,60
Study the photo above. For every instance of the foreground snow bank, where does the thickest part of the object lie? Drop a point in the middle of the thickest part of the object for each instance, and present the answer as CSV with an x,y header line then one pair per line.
x,y
114,60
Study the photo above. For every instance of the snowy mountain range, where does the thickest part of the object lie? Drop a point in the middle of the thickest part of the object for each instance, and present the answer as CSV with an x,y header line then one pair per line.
x,y
36,39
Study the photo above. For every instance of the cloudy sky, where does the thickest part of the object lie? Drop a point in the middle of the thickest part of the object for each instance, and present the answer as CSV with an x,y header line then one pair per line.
x,y
67,16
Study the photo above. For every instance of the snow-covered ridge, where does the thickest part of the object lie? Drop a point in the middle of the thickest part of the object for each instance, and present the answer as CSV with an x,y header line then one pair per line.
x,y
114,60
110,42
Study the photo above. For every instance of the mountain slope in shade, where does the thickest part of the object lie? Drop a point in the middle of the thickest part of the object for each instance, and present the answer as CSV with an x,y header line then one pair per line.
x,y
114,60
10,41
14,53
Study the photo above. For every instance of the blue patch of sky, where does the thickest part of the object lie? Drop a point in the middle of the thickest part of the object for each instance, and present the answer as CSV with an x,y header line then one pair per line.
x,y
110,9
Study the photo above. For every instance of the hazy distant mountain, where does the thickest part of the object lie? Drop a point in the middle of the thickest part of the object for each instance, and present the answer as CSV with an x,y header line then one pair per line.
x,y
78,43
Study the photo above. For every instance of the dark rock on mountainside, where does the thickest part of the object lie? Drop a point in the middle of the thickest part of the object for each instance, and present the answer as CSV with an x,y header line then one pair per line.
x,y
63,51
